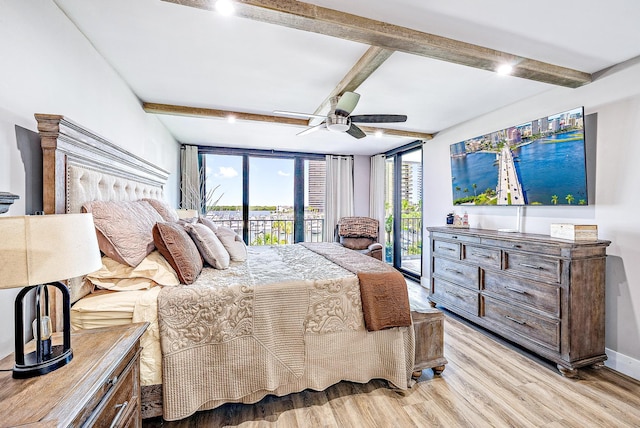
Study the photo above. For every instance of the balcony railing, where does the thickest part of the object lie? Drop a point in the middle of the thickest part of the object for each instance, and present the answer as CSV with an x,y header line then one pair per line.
x,y
411,237
275,231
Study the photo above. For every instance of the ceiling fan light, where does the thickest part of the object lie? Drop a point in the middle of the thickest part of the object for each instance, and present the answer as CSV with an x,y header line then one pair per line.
x,y
225,7
504,69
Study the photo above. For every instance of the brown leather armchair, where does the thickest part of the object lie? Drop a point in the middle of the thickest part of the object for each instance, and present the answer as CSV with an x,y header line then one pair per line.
x,y
360,234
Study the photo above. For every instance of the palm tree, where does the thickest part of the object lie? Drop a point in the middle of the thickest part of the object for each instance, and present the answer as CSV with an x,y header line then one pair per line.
x,y
554,199
569,198
458,190
475,186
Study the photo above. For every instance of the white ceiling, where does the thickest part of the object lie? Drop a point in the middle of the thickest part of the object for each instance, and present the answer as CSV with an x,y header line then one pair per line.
x,y
179,55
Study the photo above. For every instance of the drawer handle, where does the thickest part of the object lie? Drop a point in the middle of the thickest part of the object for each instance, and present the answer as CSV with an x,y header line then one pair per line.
x,y
112,381
454,294
454,236
118,416
515,320
454,271
484,256
448,249
531,266
515,290
517,246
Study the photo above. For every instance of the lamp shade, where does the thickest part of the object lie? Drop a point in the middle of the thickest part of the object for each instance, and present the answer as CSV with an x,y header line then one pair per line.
x,y
187,213
41,249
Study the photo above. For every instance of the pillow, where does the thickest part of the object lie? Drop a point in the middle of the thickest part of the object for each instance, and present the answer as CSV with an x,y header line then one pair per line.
x,y
124,229
210,247
164,209
174,243
210,224
233,243
153,269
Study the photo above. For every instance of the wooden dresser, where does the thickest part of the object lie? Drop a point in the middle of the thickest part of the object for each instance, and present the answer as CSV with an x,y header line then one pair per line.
x,y
99,387
542,293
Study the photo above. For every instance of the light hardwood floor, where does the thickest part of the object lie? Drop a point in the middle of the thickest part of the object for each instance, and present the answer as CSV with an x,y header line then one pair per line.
x,y
487,383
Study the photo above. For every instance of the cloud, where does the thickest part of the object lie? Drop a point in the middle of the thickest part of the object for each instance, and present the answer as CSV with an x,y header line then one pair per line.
x,y
284,174
227,172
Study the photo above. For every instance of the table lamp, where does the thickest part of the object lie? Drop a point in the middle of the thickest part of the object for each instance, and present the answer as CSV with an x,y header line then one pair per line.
x,y
37,252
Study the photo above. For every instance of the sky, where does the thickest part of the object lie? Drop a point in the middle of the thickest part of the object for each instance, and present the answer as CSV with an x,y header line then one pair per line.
x,y
270,180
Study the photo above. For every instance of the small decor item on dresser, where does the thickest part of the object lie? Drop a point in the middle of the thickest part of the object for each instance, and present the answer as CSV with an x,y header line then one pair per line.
x,y
574,232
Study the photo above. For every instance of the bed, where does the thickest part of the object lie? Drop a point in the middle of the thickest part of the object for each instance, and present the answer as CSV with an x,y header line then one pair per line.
x,y
288,318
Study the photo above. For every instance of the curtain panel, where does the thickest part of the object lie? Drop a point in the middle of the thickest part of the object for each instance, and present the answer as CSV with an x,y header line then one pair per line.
x,y
190,179
338,194
377,192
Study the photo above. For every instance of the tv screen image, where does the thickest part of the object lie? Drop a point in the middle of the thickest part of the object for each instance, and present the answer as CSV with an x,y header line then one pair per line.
x,y
541,162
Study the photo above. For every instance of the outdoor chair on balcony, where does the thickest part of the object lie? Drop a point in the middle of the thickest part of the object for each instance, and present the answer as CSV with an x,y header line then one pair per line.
x,y
360,234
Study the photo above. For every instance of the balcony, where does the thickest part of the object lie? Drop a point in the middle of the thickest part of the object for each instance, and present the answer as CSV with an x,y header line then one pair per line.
x,y
275,231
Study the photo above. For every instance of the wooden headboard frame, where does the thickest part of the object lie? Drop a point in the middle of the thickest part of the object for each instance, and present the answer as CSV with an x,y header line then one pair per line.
x,y
68,147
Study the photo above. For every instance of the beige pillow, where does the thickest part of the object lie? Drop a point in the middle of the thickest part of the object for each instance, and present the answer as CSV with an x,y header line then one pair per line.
x,y
124,229
234,244
210,224
174,243
153,269
210,247
164,209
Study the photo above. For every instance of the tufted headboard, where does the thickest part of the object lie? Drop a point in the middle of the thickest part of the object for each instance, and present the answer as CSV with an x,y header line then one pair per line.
x,y
80,166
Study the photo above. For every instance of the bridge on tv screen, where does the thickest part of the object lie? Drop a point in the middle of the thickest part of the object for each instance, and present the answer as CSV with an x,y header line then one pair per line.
x,y
509,188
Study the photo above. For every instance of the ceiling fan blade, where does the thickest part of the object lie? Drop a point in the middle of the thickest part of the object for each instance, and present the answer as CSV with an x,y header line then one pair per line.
x,y
312,129
296,114
354,131
379,118
347,103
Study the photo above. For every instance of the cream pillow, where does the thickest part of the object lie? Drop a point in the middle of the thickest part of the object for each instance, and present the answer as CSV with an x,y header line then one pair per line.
x,y
153,269
209,246
233,243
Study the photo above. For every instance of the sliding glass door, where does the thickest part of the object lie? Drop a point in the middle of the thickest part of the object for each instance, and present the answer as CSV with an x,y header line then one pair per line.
x,y
403,209
268,198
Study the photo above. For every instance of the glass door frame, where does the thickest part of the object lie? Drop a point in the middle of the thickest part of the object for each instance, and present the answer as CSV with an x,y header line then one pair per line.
x,y
299,183
396,155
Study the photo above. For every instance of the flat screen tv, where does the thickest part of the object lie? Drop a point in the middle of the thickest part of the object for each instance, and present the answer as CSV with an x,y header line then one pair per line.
x,y
541,162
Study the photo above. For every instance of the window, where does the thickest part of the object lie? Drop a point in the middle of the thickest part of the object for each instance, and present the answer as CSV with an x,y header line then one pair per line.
x,y
269,198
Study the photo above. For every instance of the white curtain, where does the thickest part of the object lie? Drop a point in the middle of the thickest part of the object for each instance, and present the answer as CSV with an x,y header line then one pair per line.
x,y
339,192
190,179
377,192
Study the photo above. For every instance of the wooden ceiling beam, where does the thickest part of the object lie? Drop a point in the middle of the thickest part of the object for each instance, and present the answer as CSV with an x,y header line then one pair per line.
x,y
175,110
366,65
317,19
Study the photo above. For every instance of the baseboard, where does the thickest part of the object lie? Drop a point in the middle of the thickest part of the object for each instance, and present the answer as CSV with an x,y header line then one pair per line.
x,y
623,364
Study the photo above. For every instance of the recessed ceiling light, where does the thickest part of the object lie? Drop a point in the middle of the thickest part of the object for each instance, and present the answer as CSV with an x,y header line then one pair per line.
x,y
225,7
231,119
504,69
378,134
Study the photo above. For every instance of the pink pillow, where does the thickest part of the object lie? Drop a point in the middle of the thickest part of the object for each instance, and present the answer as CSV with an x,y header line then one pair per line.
x,y
124,229
164,209
174,243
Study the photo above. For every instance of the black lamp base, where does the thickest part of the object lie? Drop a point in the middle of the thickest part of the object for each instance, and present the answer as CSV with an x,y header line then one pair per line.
x,y
58,358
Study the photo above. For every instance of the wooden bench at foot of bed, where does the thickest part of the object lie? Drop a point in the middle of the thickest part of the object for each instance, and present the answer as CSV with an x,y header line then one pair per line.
x,y
429,331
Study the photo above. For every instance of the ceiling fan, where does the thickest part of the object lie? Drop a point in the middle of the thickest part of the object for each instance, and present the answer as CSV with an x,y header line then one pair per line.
x,y
339,118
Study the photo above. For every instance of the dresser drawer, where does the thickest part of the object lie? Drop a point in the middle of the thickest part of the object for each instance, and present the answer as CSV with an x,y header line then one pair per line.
x,y
534,247
544,297
446,249
461,274
533,266
121,403
451,295
484,257
455,236
533,328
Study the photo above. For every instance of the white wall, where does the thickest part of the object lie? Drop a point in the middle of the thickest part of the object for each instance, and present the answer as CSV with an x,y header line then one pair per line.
x,y
614,97
49,67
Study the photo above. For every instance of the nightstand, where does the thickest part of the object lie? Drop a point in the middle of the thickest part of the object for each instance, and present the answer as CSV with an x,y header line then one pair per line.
x,y
99,387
